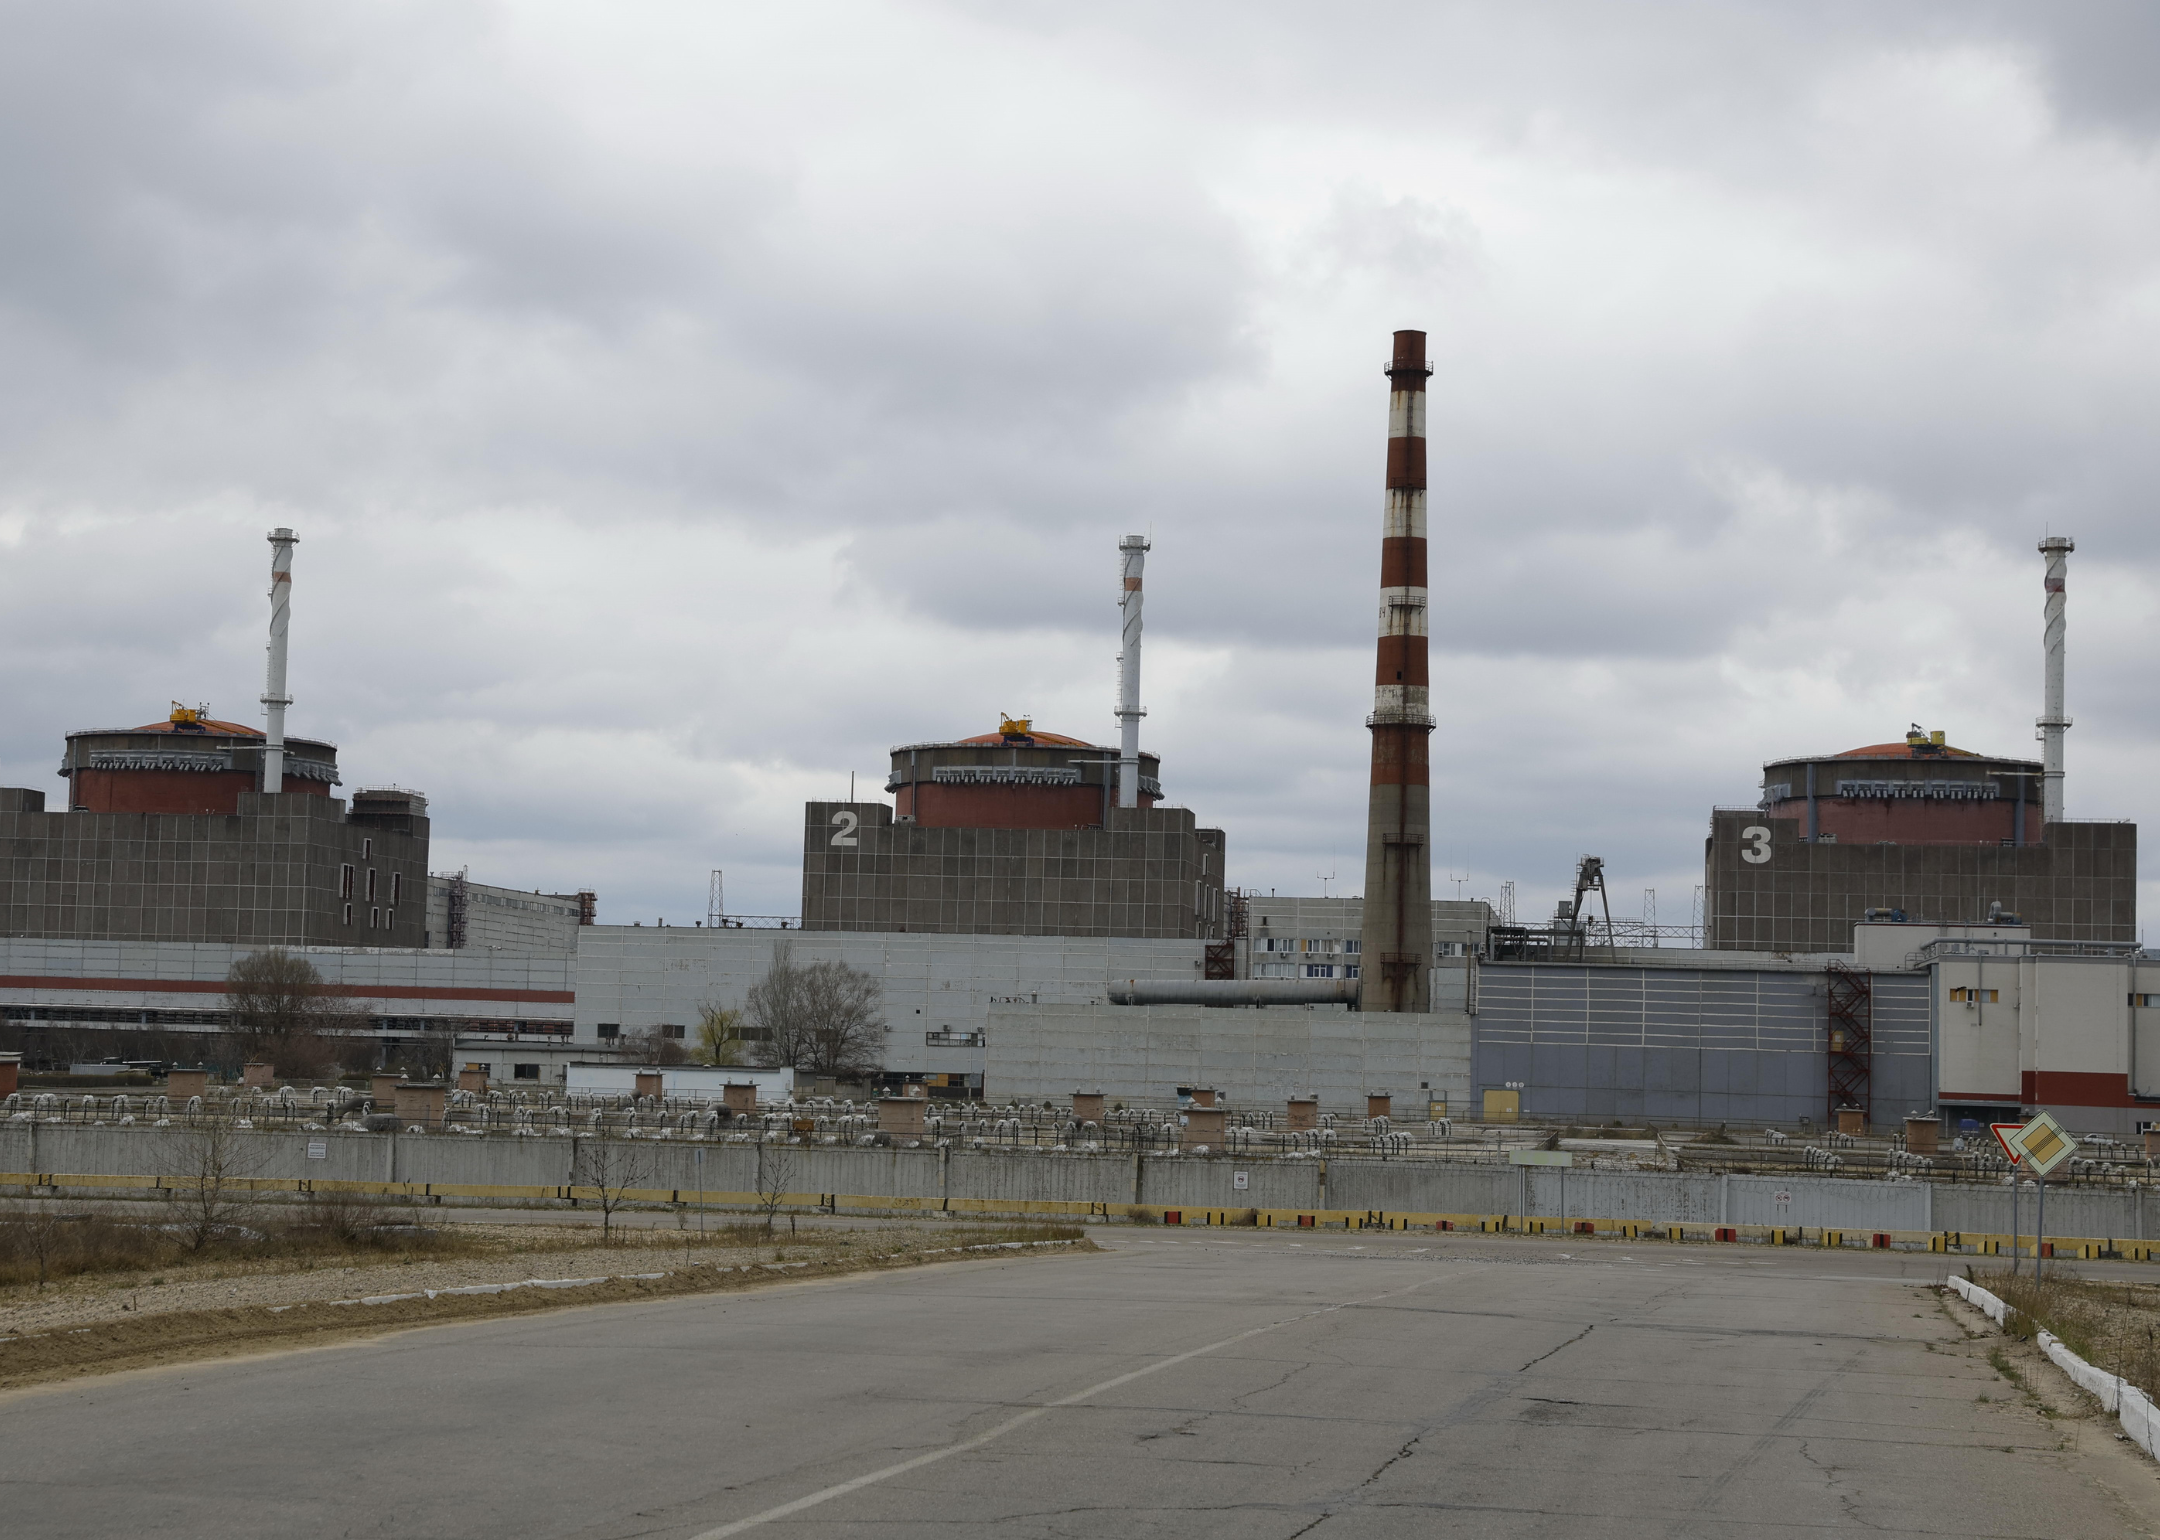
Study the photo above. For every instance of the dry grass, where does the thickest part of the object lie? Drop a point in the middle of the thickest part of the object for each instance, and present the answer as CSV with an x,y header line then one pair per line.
x,y
2113,1326
284,1311
42,1241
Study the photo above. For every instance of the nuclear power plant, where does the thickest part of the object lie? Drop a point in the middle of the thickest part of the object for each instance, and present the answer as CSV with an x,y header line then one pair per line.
x,y
1875,938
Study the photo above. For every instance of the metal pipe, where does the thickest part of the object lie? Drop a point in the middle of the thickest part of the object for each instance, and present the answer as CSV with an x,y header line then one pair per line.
x,y
275,700
2053,724
1132,552
1397,933
1236,992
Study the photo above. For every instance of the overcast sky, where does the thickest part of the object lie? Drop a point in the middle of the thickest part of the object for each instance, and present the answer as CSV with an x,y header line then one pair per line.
x,y
680,405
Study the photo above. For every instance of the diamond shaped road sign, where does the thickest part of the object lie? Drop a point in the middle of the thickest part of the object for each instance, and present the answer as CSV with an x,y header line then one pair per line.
x,y
2002,1133
2043,1144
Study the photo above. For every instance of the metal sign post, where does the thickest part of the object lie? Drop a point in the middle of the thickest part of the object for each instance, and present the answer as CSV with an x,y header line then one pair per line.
x,y
2040,1232
2002,1133
2044,1146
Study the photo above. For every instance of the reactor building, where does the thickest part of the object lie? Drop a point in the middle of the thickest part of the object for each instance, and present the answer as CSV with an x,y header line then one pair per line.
x,y
199,830
1013,833
1924,832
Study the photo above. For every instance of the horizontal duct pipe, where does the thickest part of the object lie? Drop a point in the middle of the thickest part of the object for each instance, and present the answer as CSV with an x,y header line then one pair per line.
x,y
1237,992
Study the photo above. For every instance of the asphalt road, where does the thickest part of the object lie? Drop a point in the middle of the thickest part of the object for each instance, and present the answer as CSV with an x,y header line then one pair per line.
x,y
1188,1385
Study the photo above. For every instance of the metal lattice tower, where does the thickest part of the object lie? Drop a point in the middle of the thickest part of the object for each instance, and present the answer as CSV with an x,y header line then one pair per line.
x,y
455,922
1851,1041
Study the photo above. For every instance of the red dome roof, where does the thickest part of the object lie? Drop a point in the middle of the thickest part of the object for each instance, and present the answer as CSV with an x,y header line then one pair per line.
x,y
1054,740
1902,750
204,727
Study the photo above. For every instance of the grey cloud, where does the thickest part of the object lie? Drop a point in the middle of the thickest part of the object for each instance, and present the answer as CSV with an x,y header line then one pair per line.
x,y
650,477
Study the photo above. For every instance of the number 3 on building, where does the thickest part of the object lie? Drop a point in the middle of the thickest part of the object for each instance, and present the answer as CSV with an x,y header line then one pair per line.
x,y
1755,847
847,822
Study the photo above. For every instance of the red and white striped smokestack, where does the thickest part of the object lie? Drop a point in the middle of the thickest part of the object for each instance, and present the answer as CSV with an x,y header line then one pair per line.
x,y
1396,958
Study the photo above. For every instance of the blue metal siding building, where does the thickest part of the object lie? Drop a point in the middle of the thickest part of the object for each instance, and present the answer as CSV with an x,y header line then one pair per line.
x,y
1699,1044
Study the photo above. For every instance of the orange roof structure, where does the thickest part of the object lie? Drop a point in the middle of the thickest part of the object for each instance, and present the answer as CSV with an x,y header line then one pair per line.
x,y
1054,740
1906,750
208,727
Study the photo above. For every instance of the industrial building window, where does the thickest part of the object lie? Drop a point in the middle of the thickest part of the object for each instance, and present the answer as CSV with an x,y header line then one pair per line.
x,y
1319,971
371,884
524,1072
389,919
348,907
1976,996
1353,946
1275,971
397,887
2145,1002
374,919
367,849
609,1029
1350,973
671,1029
344,887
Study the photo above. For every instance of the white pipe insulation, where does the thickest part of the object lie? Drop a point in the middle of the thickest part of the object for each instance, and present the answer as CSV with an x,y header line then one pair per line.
x,y
1132,551
275,700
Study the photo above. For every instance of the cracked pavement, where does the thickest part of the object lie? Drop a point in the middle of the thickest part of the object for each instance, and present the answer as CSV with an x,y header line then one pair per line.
x,y
1216,1383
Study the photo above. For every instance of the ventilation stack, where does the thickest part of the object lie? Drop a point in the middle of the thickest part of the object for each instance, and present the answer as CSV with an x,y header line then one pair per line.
x,y
1396,961
2053,724
275,700
1132,553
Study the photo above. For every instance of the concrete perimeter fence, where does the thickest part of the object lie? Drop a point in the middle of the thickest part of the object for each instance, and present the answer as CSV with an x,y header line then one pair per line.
x,y
49,1159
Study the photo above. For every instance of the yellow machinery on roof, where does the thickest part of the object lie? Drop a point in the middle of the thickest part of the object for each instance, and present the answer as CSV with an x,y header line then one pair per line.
x,y
1015,727
188,716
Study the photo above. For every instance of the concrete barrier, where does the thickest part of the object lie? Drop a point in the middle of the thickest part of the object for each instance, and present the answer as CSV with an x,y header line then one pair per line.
x,y
2133,1410
498,1167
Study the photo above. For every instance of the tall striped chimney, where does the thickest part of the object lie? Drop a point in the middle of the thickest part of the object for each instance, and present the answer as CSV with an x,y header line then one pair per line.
x,y
1396,951
2056,549
275,700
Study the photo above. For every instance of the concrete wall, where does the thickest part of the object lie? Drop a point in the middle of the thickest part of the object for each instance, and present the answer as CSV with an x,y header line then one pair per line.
x,y
2080,884
1151,873
1695,1044
1258,1057
119,983
269,874
935,986
1357,1184
508,919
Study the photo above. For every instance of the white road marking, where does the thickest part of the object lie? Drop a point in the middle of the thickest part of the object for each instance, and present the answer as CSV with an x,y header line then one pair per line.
x,y
843,1488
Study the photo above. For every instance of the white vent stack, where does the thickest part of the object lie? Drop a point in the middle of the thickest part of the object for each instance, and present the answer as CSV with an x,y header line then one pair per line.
x,y
1132,551
2053,724
275,700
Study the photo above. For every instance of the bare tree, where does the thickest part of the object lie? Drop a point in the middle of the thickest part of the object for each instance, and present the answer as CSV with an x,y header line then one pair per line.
x,y
819,1018
610,1169
208,1169
279,1010
721,1037
38,1234
652,1045
775,1175
429,1056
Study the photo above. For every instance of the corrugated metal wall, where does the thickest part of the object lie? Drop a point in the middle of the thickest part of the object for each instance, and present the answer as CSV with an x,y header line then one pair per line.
x,y
1698,1044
